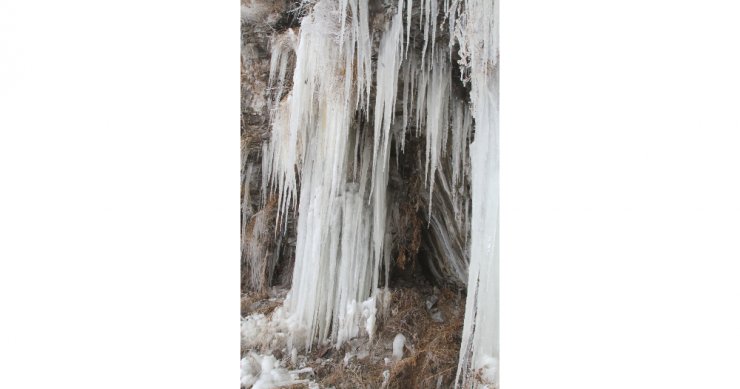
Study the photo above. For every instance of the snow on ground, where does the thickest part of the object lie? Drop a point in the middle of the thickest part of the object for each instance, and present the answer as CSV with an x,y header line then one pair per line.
x,y
280,330
262,334
270,332
398,343
265,372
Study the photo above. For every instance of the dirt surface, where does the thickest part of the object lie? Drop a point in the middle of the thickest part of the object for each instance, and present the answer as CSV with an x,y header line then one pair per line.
x,y
431,319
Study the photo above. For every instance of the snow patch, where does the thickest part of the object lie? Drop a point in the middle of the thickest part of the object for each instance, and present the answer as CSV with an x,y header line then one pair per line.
x,y
488,371
398,342
386,377
266,372
275,332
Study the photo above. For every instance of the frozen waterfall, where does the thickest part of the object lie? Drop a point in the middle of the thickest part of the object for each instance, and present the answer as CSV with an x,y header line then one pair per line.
x,y
368,78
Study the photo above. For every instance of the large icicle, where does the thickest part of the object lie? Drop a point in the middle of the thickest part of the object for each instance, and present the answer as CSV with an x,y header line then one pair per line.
x,y
389,63
479,351
437,117
388,67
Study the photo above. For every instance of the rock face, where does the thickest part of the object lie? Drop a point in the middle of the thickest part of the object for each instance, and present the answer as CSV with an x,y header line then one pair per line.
x,y
266,255
359,166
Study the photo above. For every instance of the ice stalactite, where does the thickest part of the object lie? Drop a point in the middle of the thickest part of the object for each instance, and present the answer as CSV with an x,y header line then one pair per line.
x,y
479,351
283,46
461,132
437,117
388,65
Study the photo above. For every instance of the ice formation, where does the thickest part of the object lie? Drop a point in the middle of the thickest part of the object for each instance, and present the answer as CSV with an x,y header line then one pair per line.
x,y
343,181
336,125
398,343
265,372
261,332
477,34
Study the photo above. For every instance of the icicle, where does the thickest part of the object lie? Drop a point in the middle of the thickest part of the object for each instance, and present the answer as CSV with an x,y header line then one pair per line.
x,y
461,125
433,22
479,350
389,62
430,13
437,119
283,45
363,48
421,92
452,16
409,9
425,15
406,76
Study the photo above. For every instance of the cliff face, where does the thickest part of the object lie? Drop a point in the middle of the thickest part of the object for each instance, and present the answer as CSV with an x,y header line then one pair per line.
x,y
359,166
266,256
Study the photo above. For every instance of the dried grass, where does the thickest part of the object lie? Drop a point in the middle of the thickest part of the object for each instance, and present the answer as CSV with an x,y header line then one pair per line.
x,y
435,345
258,302
430,354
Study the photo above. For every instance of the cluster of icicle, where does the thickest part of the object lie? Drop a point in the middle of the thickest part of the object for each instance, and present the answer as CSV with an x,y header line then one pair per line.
x,y
331,145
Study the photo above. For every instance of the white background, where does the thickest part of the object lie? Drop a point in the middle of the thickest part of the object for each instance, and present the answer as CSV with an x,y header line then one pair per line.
x,y
119,194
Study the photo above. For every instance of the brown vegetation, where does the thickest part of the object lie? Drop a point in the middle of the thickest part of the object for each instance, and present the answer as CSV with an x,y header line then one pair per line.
x,y
430,353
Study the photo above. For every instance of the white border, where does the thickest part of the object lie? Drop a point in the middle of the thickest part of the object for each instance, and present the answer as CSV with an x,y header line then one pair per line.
x,y
119,161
